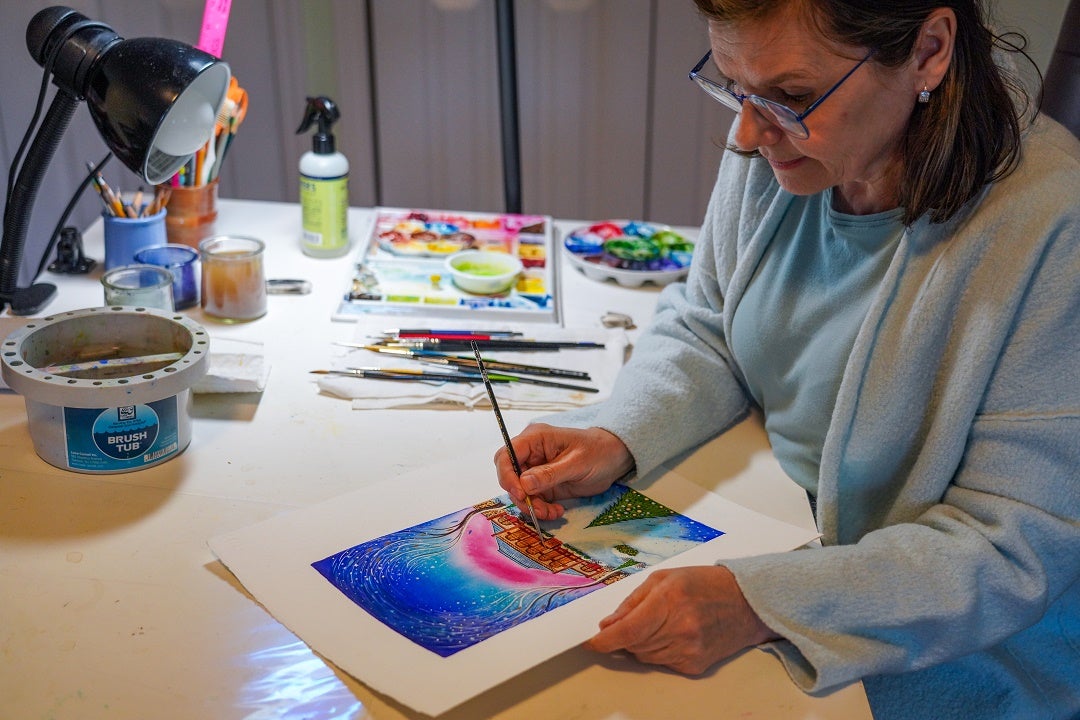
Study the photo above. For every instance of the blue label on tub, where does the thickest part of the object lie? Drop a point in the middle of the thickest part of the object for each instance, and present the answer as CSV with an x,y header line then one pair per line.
x,y
121,438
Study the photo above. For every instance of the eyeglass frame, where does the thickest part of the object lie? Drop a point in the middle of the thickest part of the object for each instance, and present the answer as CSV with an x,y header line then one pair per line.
x,y
795,120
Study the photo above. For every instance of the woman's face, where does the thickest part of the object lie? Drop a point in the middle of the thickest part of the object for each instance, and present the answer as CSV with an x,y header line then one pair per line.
x,y
854,134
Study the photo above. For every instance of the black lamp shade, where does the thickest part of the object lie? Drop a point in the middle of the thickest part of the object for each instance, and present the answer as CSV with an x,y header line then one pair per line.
x,y
155,102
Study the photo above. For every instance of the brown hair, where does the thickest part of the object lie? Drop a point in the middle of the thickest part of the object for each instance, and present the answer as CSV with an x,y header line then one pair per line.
x,y
968,135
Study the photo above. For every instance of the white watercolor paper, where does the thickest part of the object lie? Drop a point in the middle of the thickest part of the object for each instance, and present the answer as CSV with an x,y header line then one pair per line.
x,y
273,561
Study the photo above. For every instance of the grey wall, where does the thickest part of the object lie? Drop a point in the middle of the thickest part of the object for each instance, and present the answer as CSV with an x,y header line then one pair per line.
x,y
1039,20
263,50
610,126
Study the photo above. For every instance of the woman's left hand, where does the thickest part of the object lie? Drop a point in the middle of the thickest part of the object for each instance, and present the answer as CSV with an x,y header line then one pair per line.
x,y
687,619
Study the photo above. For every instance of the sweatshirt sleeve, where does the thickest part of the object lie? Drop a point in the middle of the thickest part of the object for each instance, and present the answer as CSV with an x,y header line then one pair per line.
x,y
981,564
681,387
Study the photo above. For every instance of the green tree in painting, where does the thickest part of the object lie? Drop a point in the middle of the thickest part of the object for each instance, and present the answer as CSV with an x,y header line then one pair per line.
x,y
631,506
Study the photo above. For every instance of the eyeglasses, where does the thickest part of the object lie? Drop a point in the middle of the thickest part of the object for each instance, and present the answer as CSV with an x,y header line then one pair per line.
x,y
784,117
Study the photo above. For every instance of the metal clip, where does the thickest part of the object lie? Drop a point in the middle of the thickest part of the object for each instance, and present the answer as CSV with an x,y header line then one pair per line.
x,y
612,319
286,286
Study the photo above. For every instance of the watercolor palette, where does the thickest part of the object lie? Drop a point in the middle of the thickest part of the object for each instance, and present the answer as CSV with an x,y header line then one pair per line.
x,y
630,252
402,266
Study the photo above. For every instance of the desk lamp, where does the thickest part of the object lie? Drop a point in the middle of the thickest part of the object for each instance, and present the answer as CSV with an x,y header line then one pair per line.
x,y
154,101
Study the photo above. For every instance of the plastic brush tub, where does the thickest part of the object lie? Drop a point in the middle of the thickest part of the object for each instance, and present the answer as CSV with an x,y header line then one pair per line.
x,y
107,389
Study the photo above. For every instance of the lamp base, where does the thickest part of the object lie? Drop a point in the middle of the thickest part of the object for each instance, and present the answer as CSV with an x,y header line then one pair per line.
x,y
27,301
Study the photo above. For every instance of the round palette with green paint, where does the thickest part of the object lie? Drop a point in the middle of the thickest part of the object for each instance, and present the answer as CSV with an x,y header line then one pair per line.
x,y
630,252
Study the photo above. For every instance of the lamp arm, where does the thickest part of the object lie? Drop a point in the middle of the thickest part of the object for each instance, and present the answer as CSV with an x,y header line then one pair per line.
x,y
24,192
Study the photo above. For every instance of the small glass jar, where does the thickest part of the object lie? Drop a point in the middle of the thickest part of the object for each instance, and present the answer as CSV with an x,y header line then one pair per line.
x,y
233,278
141,286
183,262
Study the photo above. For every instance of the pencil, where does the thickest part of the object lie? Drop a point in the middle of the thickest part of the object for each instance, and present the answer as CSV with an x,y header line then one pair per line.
x,y
200,158
100,190
114,200
110,198
162,193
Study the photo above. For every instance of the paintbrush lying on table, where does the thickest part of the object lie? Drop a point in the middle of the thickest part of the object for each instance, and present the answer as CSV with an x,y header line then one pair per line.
x,y
417,376
463,361
464,375
474,370
451,345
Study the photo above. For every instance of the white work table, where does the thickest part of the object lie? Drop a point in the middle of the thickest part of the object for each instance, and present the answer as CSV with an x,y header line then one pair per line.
x,y
112,605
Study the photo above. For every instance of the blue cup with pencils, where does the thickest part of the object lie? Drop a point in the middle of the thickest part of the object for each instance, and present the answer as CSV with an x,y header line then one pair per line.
x,y
131,224
125,236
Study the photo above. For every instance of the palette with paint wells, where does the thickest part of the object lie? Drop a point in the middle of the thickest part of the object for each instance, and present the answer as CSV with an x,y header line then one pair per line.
x,y
630,252
407,266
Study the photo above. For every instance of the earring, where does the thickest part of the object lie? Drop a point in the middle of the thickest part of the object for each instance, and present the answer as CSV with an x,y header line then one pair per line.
x,y
924,96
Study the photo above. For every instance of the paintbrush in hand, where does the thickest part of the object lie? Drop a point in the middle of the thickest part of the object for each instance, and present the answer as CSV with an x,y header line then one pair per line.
x,y
505,435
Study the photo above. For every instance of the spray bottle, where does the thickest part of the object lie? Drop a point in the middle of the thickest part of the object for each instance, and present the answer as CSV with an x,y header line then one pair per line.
x,y
324,184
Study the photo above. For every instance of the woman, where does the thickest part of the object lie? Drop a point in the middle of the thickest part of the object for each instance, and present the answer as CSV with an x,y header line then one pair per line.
x,y
888,269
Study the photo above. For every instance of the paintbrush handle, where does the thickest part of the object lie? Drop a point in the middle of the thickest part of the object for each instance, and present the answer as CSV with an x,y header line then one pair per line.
x,y
498,413
510,377
521,368
502,429
372,374
545,383
505,436
460,360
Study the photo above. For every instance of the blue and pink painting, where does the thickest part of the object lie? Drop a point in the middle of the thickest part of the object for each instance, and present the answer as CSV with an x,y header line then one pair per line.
x,y
449,583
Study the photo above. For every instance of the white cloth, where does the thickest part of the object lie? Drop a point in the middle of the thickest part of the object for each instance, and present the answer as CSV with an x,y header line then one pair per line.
x,y
236,366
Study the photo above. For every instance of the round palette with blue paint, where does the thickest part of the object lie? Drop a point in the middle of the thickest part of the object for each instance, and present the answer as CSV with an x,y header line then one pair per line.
x,y
630,252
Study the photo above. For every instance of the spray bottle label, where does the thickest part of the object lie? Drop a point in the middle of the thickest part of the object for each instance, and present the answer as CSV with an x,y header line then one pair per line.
x,y
324,204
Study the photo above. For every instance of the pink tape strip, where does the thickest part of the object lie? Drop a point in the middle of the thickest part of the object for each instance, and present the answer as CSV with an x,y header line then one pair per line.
x,y
214,24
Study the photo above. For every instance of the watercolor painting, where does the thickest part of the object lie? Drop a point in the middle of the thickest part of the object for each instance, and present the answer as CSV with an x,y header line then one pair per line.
x,y
449,583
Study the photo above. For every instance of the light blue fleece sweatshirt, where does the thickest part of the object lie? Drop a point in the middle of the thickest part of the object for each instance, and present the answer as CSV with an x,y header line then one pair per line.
x,y
793,330
949,491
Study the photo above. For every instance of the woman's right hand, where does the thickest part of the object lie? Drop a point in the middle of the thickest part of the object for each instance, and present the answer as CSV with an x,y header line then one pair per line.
x,y
558,463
